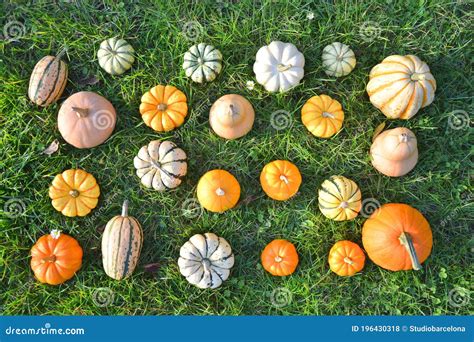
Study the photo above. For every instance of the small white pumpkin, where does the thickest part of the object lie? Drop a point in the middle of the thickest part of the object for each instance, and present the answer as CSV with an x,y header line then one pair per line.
x,y
279,66
161,165
206,260
338,59
202,62
115,56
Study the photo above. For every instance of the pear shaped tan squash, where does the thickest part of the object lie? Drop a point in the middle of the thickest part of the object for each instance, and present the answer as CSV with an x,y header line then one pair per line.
x,y
86,119
394,152
231,116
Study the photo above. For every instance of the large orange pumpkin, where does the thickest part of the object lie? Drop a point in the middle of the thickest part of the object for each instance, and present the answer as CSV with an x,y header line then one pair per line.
x,y
74,193
218,191
346,258
280,258
164,108
55,259
397,237
322,116
280,179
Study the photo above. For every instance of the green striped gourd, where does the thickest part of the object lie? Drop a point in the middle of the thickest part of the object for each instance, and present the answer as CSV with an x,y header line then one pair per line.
x,y
121,245
47,81
202,63
115,56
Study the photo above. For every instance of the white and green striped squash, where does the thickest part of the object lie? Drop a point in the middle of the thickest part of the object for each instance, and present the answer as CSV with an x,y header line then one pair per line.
x,y
115,56
206,260
121,245
202,63
47,81
338,59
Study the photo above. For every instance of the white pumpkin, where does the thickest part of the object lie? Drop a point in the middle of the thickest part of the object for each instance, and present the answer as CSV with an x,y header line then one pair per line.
x,y
115,56
206,260
338,59
202,63
400,85
161,165
279,66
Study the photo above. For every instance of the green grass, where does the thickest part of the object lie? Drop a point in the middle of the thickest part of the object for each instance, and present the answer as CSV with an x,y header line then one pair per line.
x,y
440,186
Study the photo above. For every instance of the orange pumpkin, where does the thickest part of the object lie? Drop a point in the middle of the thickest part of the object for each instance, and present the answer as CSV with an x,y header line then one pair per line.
x,y
280,179
280,258
397,237
346,258
164,108
322,116
218,191
74,193
55,258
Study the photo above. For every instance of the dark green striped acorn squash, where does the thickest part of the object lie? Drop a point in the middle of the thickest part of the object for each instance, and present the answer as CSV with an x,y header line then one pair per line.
x,y
121,245
47,81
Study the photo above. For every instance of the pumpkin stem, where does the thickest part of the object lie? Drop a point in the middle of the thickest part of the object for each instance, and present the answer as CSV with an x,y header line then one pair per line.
x,y
162,107
344,205
61,53
278,259
125,208
51,258
417,77
284,178
232,110
348,260
328,115
403,138
407,242
220,192
282,67
81,112
74,193
206,264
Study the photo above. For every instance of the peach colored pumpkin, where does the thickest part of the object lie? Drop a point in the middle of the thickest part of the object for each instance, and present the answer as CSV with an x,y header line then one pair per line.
x,y
231,116
86,119
394,152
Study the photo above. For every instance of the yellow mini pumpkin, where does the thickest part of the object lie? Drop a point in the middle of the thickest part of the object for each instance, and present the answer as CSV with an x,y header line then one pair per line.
x,y
322,116
218,191
400,85
74,193
280,179
164,108
339,198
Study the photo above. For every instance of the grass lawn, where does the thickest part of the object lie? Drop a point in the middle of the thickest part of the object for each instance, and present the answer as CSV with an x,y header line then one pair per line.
x,y
440,186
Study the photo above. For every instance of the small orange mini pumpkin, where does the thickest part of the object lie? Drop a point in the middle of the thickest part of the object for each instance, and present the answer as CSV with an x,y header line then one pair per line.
x,y
322,116
164,108
218,191
280,179
280,258
55,258
74,193
397,237
346,258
